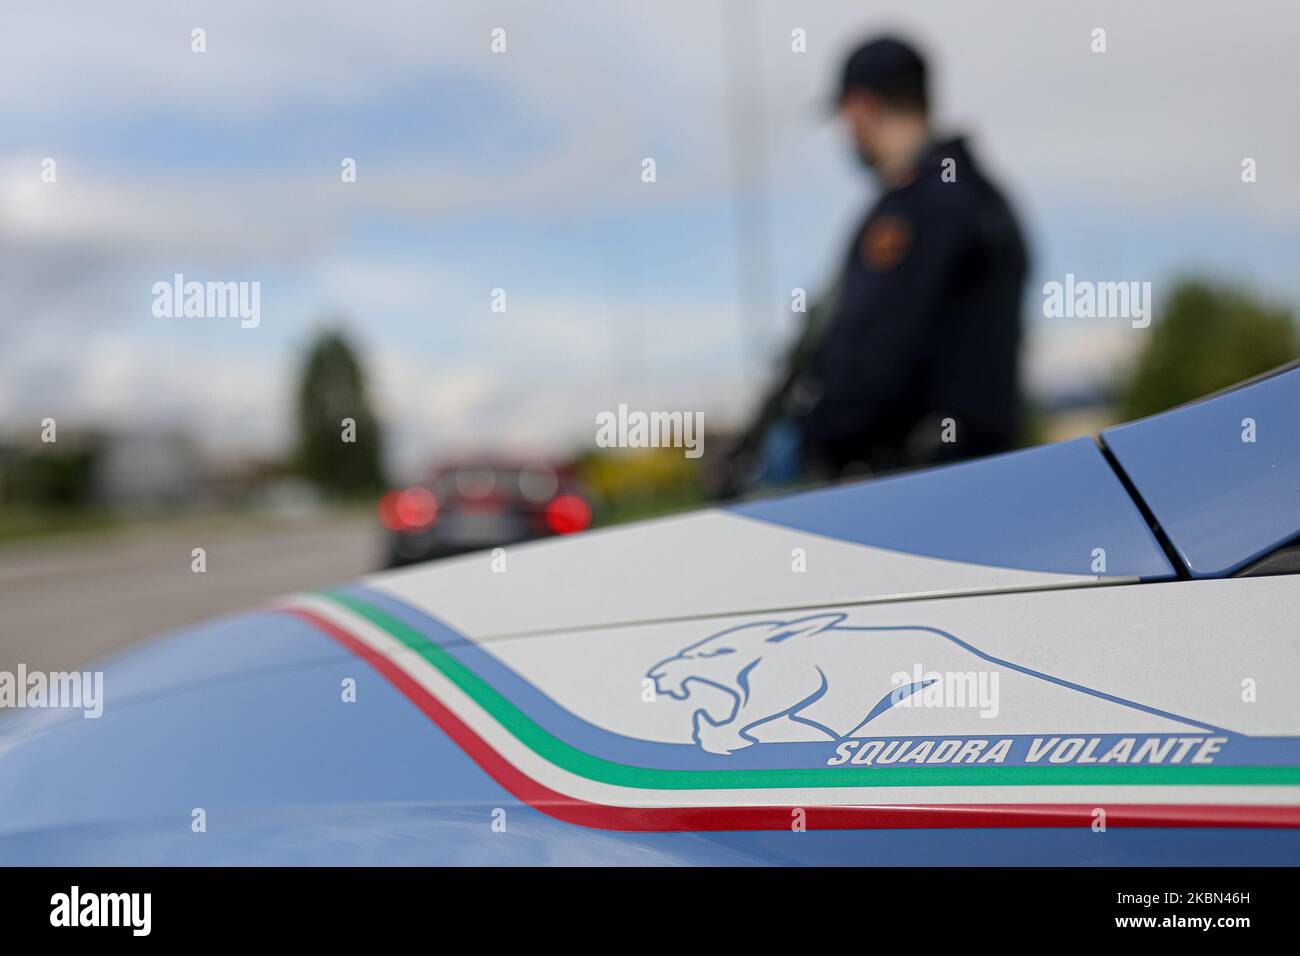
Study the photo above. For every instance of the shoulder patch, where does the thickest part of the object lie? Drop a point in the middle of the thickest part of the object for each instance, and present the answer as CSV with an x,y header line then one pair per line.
x,y
886,242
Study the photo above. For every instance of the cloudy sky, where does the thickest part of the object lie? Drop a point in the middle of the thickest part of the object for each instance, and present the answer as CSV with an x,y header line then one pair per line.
x,y
522,171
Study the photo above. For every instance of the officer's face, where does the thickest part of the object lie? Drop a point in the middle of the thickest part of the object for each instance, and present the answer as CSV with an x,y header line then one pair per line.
x,y
861,114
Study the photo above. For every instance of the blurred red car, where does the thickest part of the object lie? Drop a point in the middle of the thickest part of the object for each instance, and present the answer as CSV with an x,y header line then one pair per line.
x,y
481,503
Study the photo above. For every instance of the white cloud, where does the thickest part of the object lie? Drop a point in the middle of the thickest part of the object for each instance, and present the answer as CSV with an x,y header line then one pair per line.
x,y
1073,357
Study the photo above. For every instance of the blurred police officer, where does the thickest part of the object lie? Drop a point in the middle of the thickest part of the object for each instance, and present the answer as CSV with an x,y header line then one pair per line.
x,y
918,363
915,361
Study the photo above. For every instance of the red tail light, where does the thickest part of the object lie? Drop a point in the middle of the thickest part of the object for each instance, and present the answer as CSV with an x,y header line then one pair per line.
x,y
567,514
413,509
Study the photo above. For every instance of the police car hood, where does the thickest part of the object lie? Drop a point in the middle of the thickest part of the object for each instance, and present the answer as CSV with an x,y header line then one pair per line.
x,y
716,672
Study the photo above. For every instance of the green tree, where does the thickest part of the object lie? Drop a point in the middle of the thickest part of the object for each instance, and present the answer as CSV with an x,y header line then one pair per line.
x,y
339,446
1208,338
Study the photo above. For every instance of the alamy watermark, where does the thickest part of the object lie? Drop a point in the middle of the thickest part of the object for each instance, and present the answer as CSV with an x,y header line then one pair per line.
x,y
966,690
74,690
208,300
1084,299
74,908
634,429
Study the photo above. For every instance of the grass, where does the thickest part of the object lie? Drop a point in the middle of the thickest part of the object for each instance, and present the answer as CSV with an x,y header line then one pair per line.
x,y
650,507
18,523
21,524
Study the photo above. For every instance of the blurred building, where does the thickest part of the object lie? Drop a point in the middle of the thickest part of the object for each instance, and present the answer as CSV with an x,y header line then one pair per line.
x,y
150,469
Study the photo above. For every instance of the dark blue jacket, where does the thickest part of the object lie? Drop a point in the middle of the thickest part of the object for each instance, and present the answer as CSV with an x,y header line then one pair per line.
x,y
927,326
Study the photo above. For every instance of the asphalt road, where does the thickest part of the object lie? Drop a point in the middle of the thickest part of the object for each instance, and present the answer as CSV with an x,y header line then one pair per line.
x,y
68,601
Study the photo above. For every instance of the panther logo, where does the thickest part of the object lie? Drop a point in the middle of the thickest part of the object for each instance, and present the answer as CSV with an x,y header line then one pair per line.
x,y
764,667
817,678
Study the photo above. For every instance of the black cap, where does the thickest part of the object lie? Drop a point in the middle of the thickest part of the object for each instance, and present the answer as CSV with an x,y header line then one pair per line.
x,y
886,66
